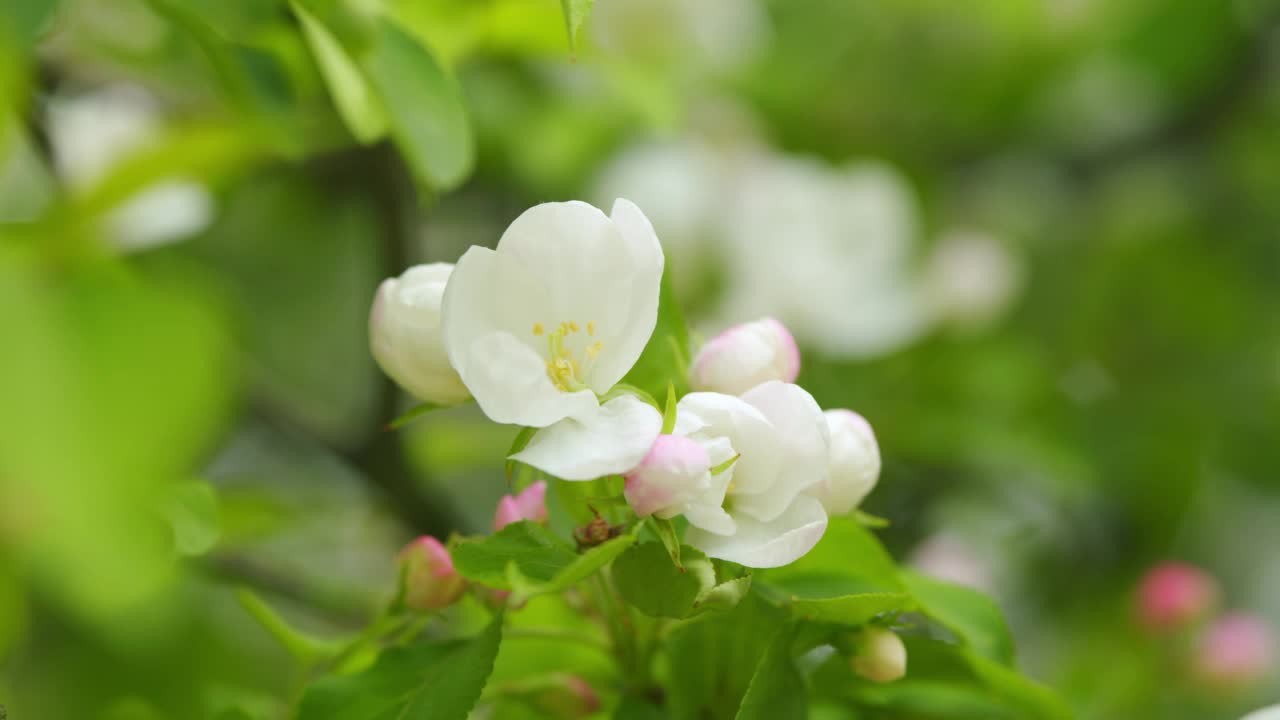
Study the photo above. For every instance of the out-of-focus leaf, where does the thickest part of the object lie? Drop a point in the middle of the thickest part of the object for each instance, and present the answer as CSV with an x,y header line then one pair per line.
x,y
945,680
429,681
192,510
423,106
575,13
146,375
777,691
664,361
356,102
412,414
968,613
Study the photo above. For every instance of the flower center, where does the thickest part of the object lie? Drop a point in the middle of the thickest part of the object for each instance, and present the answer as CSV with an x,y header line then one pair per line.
x,y
564,348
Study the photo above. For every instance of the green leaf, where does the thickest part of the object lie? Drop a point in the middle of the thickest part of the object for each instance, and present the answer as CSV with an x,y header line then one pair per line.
x,y
192,511
575,13
520,442
580,569
670,537
534,551
851,609
945,680
302,646
974,617
664,360
414,413
648,580
423,106
777,690
355,101
713,658
429,681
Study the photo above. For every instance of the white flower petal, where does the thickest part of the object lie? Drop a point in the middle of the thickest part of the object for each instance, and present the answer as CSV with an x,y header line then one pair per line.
x,y
624,339
709,415
778,542
488,312
801,441
711,518
610,441
509,381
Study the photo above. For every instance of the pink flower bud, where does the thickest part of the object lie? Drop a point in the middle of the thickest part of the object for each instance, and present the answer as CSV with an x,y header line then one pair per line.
x,y
562,695
528,504
430,582
1235,650
879,655
673,473
744,356
1174,594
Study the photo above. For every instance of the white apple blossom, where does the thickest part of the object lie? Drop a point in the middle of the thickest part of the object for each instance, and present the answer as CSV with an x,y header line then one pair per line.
x,y
752,510
405,334
828,252
854,464
551,319
744,356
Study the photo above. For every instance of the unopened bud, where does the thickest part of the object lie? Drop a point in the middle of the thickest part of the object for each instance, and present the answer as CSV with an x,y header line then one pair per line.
x,y
745,356
1173,595
1237,649
673,473
565,696
528,504
879,655
430,581
405,335
854,462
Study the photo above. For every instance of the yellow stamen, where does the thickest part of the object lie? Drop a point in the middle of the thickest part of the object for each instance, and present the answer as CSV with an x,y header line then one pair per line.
x,y
594,349
591,328
538,329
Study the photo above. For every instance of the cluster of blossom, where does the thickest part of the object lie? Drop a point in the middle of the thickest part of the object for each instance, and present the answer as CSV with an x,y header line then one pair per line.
x,y
853,237
541,330
1231,650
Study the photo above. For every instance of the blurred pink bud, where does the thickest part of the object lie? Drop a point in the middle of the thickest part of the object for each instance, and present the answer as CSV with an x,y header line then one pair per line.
x,y
673,473
564,696
1236,649
528,504
430,582
744,356
1174,594
879,655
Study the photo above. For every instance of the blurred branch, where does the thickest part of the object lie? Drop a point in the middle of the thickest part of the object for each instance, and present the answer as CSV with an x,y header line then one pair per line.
x,y
345,607
378,174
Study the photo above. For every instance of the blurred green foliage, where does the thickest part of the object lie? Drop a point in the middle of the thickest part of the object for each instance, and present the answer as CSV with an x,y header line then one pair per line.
x,y
1126,409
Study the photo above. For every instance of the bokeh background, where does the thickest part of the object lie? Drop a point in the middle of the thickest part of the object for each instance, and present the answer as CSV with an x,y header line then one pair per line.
x,y
1034,242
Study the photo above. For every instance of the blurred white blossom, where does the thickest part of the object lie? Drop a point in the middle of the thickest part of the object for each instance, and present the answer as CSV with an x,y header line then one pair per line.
x,y
971,278
720,35
92,132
